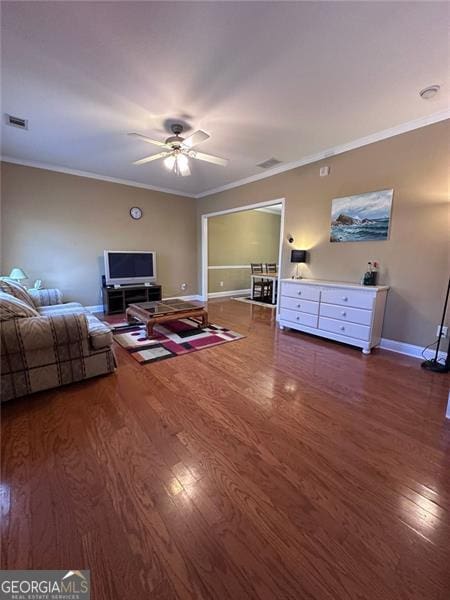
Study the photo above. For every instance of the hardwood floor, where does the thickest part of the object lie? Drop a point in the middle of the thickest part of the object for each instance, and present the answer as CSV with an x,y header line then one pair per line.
x,y
275,467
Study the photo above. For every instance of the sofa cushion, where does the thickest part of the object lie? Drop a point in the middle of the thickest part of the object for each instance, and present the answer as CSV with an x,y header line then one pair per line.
x,y
60,309
9,286
46,296
100,334
14,308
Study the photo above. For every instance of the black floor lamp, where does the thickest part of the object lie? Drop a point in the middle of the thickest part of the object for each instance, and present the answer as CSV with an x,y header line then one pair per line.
x,y
433,364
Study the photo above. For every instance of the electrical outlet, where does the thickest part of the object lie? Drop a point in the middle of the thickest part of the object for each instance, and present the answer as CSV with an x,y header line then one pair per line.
x,y
444,333
221,283
183,286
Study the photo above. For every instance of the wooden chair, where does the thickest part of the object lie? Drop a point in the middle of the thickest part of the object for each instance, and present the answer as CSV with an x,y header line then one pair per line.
x,y
271,268
260,287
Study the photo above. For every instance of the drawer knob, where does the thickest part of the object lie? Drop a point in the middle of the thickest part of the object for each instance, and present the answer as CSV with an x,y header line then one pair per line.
x,y
298,318
344,298
344,314
299,293
342,328
298,305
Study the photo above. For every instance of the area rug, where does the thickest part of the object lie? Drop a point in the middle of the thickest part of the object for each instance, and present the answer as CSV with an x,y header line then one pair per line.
x,y
174,338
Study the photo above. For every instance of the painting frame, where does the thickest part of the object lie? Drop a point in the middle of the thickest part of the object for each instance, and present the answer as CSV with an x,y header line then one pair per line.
x,y
364,217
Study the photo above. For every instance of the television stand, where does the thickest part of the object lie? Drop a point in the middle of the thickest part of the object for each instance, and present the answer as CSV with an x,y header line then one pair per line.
x,y
116,300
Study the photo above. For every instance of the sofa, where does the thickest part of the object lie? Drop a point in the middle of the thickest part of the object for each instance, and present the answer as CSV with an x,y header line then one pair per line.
x,y
46,343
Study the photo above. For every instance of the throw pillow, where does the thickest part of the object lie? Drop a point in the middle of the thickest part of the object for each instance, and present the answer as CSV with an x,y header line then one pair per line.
x,y
9,286
14,308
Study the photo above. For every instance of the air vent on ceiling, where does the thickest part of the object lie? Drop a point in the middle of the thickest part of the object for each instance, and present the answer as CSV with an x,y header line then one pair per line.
x,y
17,122
271,162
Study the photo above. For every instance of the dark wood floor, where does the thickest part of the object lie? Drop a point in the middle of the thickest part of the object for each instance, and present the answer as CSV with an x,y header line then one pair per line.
x,y
275,467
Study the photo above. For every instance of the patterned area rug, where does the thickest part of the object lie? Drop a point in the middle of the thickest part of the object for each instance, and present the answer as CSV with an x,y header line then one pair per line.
x,y
170,339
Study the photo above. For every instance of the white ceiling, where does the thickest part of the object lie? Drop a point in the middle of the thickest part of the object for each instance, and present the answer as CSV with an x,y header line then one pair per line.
x,y
265,79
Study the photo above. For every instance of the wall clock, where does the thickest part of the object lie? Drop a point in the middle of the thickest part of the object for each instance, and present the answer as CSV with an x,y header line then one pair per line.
x,y
136,212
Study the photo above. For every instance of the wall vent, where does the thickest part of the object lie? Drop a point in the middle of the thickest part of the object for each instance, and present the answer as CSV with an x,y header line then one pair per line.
x,y
271,162
17,122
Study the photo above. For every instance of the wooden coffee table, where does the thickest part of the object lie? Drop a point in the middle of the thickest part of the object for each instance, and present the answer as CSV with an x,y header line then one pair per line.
x,y
152,313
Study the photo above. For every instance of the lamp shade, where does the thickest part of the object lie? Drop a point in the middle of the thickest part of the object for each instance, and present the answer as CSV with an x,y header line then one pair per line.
x,y
18,274
298,256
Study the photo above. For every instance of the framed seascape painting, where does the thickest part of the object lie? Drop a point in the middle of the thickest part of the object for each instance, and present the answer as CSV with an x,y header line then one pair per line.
x,y
361,218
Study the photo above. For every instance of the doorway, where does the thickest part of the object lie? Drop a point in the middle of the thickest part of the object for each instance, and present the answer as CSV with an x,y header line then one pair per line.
x,y
254,233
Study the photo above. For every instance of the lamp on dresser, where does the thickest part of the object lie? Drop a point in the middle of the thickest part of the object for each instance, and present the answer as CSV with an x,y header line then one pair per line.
x,y
298,256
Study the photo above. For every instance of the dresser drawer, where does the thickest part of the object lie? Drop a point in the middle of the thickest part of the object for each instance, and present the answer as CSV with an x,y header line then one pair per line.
x,y
306,306
360,332
300,318
297,290
346,313
345,297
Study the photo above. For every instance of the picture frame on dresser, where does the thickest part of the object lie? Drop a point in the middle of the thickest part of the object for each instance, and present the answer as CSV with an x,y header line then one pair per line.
x,y
343,312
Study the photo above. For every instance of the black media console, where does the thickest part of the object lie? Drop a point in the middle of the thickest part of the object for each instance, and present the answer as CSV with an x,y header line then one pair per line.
x,y
116,299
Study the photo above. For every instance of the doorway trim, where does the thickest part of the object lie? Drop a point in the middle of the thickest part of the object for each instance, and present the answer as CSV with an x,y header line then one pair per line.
x,y
204,237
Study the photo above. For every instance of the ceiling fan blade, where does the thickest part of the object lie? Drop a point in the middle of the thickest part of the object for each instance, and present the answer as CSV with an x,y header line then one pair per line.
x,y
144,138
216,160
148,159
196,138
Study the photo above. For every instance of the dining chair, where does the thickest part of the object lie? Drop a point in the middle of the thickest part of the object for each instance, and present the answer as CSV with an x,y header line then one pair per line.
x,y
260,286
270,268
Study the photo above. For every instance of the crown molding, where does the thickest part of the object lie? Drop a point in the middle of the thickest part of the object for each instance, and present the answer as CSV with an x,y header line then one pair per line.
x,y
89,175
352,145
358,143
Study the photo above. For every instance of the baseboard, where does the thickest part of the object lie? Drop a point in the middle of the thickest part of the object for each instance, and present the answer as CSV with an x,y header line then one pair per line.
x,y
187,298
409,349
229,293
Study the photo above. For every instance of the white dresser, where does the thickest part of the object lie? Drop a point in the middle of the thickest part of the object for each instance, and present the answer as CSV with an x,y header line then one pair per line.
x,y
344,312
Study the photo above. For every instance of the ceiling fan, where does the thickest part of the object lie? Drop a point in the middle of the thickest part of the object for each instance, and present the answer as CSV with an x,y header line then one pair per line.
x,y
178,150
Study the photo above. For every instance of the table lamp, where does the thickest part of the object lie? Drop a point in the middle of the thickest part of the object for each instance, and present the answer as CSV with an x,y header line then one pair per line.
x,y
18,274
298,256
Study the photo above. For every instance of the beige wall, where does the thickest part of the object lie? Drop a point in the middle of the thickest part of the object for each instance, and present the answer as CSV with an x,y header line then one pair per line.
x,y
232,279
414,261
56,226
240,239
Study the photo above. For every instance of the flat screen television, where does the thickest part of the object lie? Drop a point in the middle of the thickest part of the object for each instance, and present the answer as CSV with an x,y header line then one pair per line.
x,y
134,266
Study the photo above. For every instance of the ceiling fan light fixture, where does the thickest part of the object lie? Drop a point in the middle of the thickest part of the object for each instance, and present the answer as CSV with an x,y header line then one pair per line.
x,y
169,162
177,151
182,161
182,165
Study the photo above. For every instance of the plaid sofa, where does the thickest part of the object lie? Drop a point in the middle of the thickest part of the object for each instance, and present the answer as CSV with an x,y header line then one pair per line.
x,y
45,343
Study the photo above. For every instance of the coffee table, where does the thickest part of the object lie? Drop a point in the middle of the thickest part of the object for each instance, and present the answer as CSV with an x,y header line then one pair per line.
x,y
152,313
